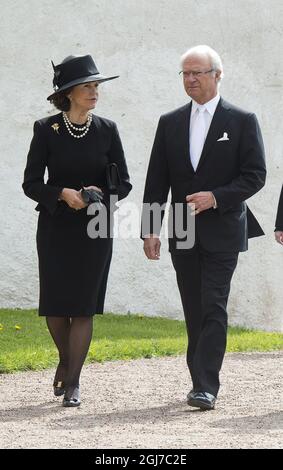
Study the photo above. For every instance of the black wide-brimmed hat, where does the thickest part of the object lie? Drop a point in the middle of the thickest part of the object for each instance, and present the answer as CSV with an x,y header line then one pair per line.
x,y
75,70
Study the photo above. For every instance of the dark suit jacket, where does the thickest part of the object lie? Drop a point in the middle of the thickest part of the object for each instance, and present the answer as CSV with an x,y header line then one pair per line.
x,y
279,217
233,170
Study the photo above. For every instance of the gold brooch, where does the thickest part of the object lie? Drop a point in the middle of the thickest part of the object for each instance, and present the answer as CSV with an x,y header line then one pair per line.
x,y
55,126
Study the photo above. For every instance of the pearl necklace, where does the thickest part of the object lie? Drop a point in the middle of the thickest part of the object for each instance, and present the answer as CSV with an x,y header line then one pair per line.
x,y
71,126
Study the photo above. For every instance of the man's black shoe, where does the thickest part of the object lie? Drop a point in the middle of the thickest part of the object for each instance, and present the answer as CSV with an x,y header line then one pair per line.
x,y
190,394
202,400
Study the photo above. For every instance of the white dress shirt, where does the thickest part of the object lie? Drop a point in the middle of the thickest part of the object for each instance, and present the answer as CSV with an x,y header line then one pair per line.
x,y
208,110
209,107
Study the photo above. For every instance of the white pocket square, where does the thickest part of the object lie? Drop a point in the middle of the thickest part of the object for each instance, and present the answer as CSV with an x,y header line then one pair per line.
x,y
225,137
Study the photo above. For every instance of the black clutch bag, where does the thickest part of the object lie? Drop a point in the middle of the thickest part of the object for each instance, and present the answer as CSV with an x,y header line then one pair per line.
x,y
112,177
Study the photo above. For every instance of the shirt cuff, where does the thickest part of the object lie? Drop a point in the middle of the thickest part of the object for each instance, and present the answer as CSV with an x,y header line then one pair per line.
x,y
59,195
215,202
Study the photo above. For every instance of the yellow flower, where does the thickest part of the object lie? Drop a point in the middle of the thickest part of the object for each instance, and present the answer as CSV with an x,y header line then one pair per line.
x,y
55,126
18,327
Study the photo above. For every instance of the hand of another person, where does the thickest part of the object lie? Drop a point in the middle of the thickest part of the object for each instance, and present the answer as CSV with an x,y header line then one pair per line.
x,y
73,198
279,237
200,201
151,247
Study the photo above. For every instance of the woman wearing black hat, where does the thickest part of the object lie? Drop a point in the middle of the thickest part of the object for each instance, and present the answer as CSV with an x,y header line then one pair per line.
x,y
77,148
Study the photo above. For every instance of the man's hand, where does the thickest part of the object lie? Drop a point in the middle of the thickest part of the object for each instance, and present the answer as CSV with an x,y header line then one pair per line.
x,y
279,237
151,247
200,201
73,198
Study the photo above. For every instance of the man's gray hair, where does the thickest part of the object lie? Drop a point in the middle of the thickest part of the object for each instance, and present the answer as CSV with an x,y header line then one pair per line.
x,y
215,59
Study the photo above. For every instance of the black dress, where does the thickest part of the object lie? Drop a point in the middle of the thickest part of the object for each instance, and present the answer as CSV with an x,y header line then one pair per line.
x,y
73,268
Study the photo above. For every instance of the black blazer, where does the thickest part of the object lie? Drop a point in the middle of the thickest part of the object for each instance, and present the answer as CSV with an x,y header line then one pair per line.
x,y
233,170
72,162
279,217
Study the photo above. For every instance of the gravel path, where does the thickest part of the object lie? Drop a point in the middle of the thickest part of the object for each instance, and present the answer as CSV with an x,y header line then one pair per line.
x,y
141,404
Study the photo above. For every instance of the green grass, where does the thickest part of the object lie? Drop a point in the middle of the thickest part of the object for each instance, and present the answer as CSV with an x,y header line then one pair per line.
x,y
25,343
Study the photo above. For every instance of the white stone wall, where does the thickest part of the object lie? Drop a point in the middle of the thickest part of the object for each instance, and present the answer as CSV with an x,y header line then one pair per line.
x,y
142,41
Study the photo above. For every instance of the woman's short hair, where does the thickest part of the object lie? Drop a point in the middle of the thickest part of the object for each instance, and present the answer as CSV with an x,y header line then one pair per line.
x,y
61,100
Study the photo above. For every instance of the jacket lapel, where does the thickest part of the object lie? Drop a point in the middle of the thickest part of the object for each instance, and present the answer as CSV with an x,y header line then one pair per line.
x,y
217,126
183,131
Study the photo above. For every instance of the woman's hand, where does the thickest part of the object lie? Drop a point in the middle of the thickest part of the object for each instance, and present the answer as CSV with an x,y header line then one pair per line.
x,y
93,187
73,198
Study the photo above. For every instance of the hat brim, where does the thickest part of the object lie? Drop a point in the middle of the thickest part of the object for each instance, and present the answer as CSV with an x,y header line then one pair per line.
x,y
91,78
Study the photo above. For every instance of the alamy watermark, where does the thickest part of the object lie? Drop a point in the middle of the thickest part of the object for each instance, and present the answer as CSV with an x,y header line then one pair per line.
x,y
133,221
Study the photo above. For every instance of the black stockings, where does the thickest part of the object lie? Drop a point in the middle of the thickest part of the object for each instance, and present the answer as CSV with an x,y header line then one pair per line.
x,y
72,337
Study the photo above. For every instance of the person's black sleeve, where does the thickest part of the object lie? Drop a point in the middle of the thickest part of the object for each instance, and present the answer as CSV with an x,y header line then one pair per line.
x,y
34,186
157,186
279,216
116,155
252,172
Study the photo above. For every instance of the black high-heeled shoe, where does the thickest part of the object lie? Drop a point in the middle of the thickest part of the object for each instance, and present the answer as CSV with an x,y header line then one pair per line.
x,y
58,388
72,396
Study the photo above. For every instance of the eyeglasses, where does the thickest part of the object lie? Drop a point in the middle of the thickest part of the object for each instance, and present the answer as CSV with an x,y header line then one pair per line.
x,y
194,73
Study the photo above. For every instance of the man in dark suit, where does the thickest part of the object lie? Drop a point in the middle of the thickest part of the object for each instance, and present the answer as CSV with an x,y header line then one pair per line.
x,y
279,220
211,155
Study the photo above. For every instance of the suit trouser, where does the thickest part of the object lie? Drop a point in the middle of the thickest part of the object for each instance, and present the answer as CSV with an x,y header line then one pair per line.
x,y
204,283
